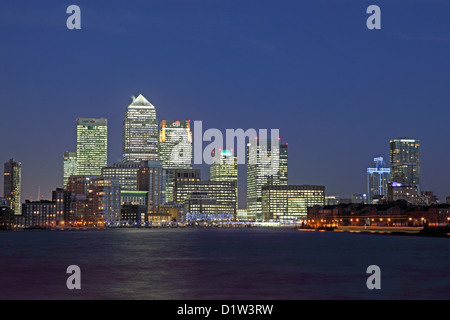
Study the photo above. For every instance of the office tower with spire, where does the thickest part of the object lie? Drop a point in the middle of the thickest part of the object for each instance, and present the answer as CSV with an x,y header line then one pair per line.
x,y
405,161
378,178
92,146
140,131
12,179
69,166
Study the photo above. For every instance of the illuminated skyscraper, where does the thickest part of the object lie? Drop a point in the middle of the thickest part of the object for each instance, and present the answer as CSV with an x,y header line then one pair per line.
x,y
284,164
140,131
225,168
378,178
405,161
92,146
175,144
12,180
263,168
125,173
69,166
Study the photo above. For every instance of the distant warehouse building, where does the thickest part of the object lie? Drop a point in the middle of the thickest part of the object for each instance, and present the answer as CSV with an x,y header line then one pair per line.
x,y
290,202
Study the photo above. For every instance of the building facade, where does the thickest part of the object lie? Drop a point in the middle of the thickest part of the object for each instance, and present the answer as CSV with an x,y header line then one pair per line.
x,y
290,202
378,178
225,168
405,161
12,181
152,178
218,196
125,173
103,202
69,166
92,146
175,144
263,168
140,131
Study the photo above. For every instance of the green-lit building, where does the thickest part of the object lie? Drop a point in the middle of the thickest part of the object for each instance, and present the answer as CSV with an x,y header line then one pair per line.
x,y
290,202
92,146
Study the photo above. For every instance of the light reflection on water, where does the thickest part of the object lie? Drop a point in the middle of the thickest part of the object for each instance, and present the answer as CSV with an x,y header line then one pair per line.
x,y
259,263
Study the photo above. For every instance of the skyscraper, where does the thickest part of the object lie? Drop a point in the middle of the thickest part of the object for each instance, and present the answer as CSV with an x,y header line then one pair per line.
x,y
140,131
405,161
125,173
225,168
12,185
92,146
175,144
378,178
69,166
263,168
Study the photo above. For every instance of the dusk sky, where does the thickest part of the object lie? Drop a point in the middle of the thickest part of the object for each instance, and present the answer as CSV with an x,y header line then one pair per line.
x,y
337,91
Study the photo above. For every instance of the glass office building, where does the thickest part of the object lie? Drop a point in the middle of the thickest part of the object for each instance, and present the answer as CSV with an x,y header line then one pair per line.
x,y
378,178
140,131
225,168
405,161
92,146
69,166
12,180
125,173
152,178
265,163
175,144
290,202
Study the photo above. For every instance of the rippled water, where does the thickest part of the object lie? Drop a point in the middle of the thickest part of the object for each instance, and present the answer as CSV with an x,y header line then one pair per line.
x,y
258,263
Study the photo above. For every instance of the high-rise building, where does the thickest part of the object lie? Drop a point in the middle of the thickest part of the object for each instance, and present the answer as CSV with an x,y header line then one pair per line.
x,y
125,173
12,179
225,168
378,178
152,178
290,202
284,164
69,166
175,144
92,146
140,131
397,191
405,162
264,167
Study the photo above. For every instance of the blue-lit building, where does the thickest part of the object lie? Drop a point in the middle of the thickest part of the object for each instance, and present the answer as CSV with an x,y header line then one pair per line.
x,y
378,178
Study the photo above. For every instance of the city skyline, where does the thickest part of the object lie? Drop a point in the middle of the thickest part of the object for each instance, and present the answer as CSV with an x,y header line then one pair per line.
x,y
313,70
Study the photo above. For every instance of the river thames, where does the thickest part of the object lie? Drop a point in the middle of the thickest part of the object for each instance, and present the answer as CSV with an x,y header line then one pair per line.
x,y
221,264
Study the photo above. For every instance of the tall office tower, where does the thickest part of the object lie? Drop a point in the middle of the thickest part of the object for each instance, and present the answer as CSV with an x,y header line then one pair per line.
x,y
12,185
284,164
69,166
175,150
225,168
378,178
125,173
263,168
92,146
290,202
152,178
175,144
140,131
405,161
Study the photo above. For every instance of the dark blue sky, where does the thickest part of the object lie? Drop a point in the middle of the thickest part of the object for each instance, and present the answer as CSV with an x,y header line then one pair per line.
x,y
336,90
